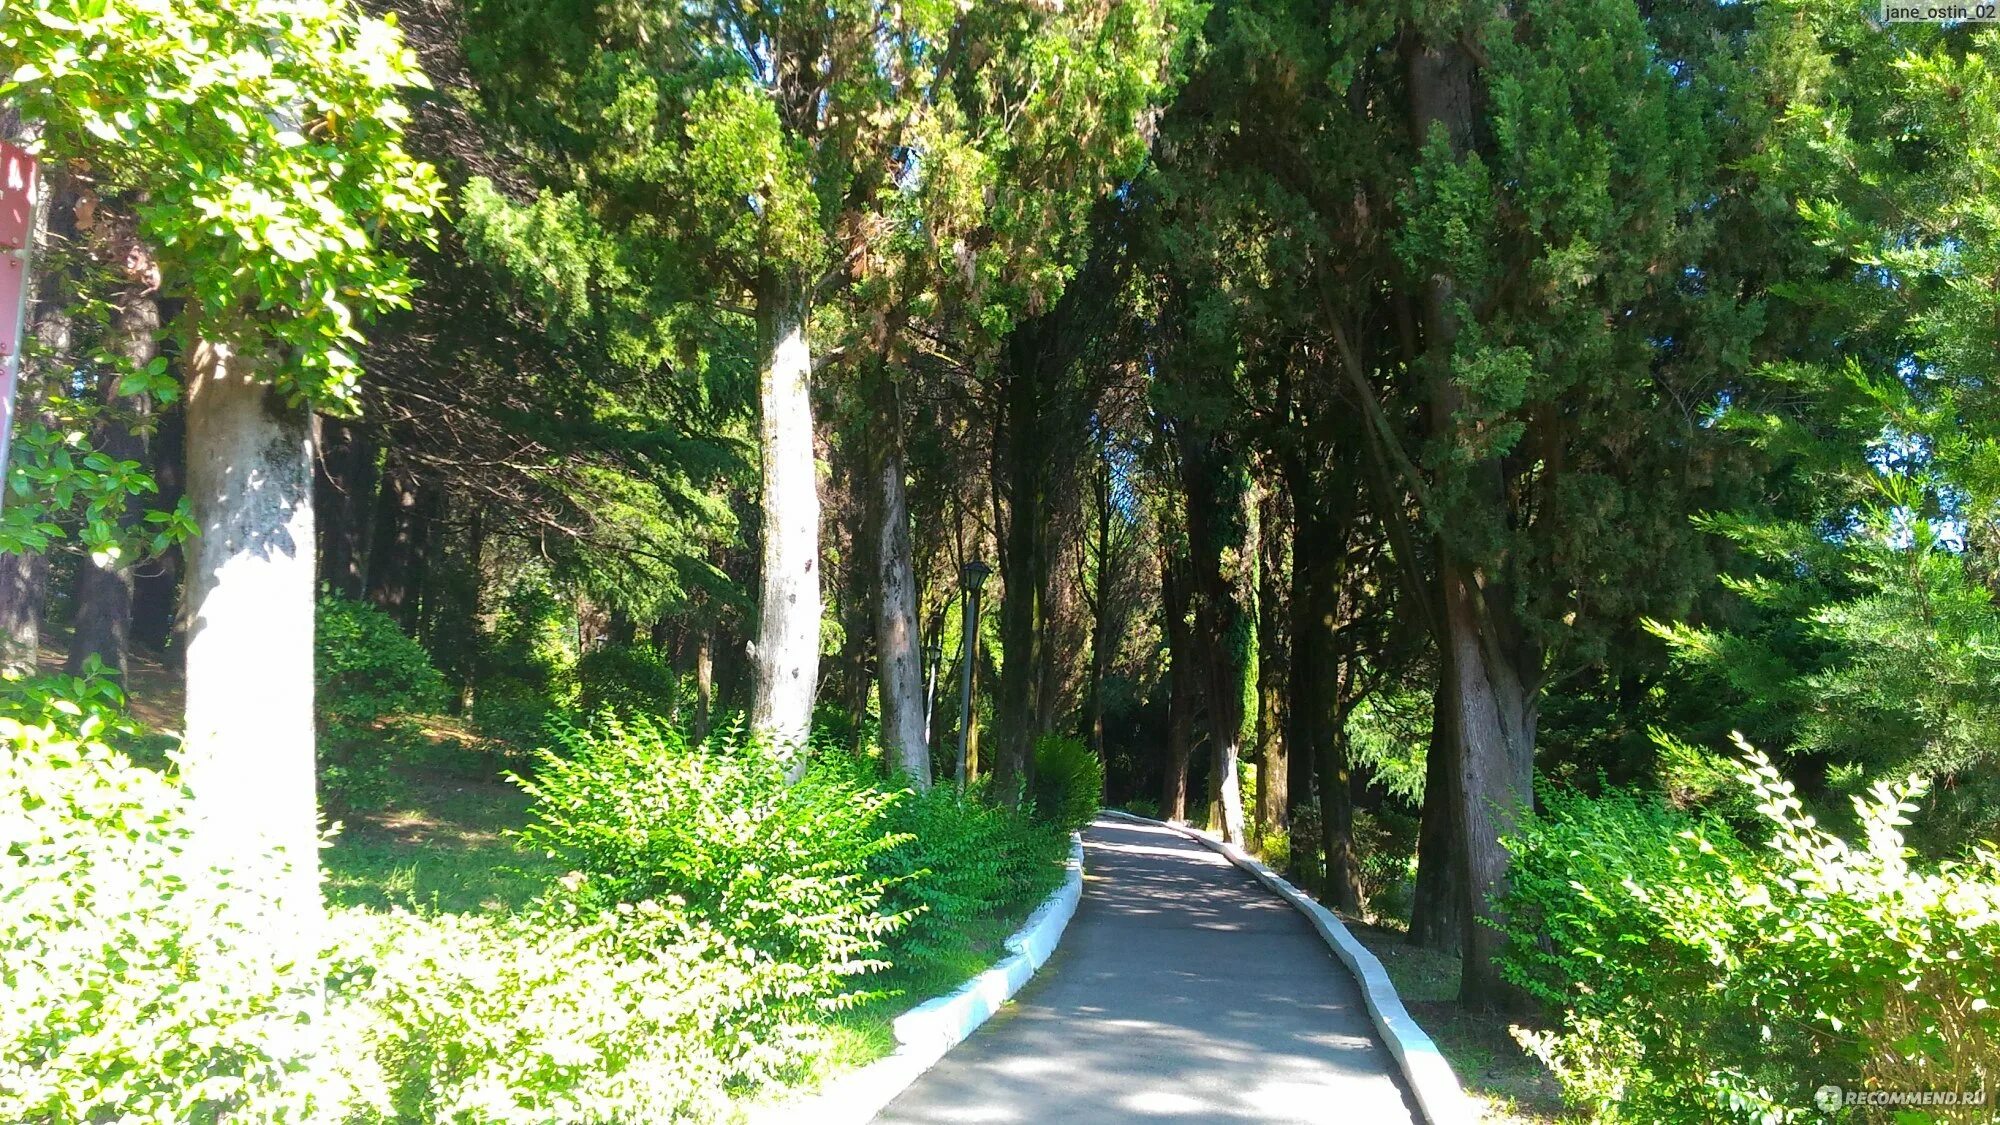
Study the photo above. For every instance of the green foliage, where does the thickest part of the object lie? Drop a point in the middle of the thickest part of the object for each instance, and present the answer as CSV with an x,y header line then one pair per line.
x,y
134,991
530,1019
629,679
716,831
365,668
367,676
265,138
1143,806
1069,781
963,862
531,665
1765,972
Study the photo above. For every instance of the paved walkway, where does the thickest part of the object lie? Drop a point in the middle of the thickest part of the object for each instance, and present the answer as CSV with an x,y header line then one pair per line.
x,y
1182,991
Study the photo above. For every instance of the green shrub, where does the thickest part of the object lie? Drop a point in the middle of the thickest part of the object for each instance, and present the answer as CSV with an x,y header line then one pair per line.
x,y
365,668
716,831
1702,980
1143,806
365,671
629,679
524,1020
133,989
963,861
1069,781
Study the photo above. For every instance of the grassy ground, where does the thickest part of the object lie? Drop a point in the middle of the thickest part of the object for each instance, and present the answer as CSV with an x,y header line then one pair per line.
x,y
438,838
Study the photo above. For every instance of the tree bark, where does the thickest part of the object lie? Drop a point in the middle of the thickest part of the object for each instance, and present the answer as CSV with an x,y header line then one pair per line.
x,y
1273,665
103,595
704,680
344,488
1014,711
1437,913
1185,694
1492,669
249,607
156,590
395,564
1317,701
898,649
1220,521
786,652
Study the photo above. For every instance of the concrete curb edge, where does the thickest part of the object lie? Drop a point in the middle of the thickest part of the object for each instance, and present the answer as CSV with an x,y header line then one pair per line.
x,y
926,1032
1436,1088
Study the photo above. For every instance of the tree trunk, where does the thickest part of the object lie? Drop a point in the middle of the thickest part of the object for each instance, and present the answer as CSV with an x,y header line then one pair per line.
x,y
1184,695
1437,914
249,607
704,680
23,584
1273,666
156,590
395,564
1222,541
103,595
786,653
1317,697
1494,710
898,650
1014,710
344,489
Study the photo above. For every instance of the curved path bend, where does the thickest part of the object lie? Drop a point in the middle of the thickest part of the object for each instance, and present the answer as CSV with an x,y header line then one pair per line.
x,y
1183,991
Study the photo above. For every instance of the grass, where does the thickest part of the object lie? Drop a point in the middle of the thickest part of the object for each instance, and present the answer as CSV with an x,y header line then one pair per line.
x,y
437,837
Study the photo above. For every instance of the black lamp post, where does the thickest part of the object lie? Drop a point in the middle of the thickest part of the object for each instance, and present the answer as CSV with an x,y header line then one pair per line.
x,y
971,576
933,654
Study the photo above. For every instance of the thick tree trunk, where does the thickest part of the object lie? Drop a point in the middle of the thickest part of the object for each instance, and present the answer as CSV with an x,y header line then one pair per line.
x,y
23,584
344,490
1014,710
103,595
396,562
1317,698
1437,914
1494,709
786,653
1273,666
1220,515
249,607
898,650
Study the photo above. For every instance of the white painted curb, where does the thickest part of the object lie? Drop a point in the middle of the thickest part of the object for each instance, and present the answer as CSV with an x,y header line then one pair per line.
x,y
927,1031
1439,1095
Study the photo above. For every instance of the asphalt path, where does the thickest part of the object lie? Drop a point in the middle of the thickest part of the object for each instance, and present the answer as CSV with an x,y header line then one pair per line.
x,y
1183,991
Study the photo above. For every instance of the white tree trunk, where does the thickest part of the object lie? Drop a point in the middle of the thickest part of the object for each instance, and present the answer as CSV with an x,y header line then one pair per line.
x,y
897,647
248,606
786,656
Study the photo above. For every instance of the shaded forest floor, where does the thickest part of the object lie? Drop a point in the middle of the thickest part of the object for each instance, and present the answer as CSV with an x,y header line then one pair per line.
x,y
1509,1085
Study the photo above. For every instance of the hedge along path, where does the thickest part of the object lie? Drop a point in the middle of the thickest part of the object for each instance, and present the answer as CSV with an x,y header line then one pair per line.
x,y
1184,991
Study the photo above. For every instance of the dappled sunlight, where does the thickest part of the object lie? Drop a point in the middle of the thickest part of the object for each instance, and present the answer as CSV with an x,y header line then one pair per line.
x,y
1185,992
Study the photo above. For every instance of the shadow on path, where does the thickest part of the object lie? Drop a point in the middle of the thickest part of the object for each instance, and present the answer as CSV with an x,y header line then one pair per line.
x,y
1183,991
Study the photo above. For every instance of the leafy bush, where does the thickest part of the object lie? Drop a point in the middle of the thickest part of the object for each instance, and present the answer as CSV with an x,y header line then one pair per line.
x,y
783,870
523,1020
133,989
365,671
630,679
1385,848
963,861
1765,972
1069,781
365,668
1143,806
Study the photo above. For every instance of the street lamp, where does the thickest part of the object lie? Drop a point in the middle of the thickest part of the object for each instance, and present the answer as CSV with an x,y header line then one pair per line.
x,y
933,654
971,577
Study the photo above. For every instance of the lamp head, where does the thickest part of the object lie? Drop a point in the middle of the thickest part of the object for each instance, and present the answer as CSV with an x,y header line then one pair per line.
x,y
973,575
